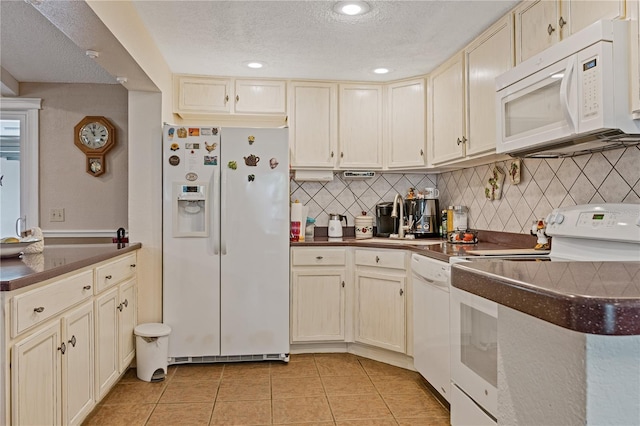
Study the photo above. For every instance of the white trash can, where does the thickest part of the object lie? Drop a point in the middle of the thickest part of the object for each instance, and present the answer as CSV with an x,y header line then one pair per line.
x,y
152,351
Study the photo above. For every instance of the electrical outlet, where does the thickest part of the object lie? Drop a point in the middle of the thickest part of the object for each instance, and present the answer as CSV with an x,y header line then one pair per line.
x,y
56,215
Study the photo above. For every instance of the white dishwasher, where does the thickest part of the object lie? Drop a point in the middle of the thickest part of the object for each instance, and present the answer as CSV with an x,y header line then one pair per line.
x,y
431,353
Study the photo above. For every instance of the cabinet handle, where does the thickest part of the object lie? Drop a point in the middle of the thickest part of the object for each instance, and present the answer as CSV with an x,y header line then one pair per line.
x,y
562,22
458,142
401,292
342,284
237,98
133,265
39,310
126,303
421,153
226,99
550,29
73,341
86,287
319,257
120,307
108,277
377,259
62,348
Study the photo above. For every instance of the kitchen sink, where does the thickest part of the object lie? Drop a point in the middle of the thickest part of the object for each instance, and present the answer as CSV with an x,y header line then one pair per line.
x,y
395,241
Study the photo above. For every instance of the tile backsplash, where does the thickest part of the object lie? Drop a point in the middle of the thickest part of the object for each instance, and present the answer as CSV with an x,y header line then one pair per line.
x,y
611,176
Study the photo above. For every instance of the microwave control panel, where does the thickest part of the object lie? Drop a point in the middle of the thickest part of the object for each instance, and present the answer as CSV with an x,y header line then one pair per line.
x,y
618,222
591,87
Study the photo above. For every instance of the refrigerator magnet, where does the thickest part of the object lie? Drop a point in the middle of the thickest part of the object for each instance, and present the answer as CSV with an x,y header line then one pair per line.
x,y
194,131
251,160
175,147
171,132
174,160
206,131
251,178
210,160
182,132
191,176
273,163
232,165
211,147
214,131
252,139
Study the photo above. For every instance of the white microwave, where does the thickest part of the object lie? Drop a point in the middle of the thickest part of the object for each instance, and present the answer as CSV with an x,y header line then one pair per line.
x,y
571,99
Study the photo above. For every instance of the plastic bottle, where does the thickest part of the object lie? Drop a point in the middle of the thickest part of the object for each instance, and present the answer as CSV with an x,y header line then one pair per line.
x,y
450,219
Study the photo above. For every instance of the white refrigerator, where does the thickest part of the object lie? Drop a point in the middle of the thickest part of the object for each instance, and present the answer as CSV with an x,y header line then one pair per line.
x,y
226,243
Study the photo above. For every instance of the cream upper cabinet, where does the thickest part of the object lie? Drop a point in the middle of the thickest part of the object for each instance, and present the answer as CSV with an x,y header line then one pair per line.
x,y
542,23
360,130
313,124
318,289
201,95
406,130
579,14
260,96
447,112
487,57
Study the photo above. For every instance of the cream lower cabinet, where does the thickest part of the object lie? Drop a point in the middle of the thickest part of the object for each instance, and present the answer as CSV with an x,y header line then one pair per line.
x,y
115,321
53,370
381,299
318,289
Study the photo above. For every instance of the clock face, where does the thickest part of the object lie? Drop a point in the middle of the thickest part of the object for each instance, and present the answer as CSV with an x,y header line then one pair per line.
x,y
94,135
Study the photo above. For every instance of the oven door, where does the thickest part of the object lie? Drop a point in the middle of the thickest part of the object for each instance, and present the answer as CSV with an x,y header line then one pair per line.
x,y
474,348
538,109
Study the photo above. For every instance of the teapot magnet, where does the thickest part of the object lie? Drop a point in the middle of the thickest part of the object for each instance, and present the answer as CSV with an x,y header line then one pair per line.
x,y
251,160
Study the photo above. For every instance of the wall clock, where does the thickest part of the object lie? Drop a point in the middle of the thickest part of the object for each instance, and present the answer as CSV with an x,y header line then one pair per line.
x,y
95,135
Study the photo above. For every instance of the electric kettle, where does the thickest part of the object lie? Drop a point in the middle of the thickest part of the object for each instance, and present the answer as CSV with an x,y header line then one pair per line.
x,y
335,225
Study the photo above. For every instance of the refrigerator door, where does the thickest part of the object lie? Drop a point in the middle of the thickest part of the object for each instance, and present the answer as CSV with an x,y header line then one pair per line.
x,y
191,260
255,242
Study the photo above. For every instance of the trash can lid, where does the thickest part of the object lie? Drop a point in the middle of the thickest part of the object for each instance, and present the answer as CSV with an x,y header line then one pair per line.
x,y
154,329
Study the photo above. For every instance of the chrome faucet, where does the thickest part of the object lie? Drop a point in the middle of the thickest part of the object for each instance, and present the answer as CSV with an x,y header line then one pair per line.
x,y
397,200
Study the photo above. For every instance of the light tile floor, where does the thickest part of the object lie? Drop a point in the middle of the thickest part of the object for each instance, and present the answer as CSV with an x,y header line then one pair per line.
x,y
312,389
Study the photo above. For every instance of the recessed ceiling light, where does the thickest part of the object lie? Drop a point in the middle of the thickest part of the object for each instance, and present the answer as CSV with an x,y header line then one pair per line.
x,y
381,70
351,8
254,64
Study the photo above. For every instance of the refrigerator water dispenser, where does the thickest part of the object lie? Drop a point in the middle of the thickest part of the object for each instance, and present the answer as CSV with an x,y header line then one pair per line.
x,y
190,205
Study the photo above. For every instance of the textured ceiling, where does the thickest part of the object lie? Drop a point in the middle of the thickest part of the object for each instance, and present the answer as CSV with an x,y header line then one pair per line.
x,y
296,39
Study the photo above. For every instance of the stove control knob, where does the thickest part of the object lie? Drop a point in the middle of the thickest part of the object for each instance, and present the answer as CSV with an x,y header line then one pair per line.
x,y
559,218
549,219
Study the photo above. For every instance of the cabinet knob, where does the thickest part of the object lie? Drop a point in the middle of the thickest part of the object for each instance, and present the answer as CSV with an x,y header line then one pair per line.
x,y
62,348
401,292
86,287
377,259
73,341
561,22
237,98
108,277
342,155
226,99
119,307
464,139
126,303
421,153
550,29
331,154
133,265
342,284
39,309
458,141
319,257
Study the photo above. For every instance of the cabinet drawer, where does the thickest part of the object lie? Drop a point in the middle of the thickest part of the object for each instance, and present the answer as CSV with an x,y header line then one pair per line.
x,y
34,307
115,272
384,259
319,257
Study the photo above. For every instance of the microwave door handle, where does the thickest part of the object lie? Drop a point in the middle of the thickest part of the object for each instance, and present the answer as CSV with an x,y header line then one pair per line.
x,y
564,96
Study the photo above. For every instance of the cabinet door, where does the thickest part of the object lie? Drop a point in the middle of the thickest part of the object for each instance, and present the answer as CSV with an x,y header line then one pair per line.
x,y
78,373
317,305
107,368
201,94
380,310
260,96
447,111
487,57
313,125
406,120
579,14
536,27
126,323
360,135
36,378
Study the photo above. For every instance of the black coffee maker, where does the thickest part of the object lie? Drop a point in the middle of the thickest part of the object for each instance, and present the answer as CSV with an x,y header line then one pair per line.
x,y
385,224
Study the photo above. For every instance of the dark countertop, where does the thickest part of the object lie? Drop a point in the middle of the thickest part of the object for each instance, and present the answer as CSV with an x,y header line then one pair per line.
x,y
56,260
587,297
